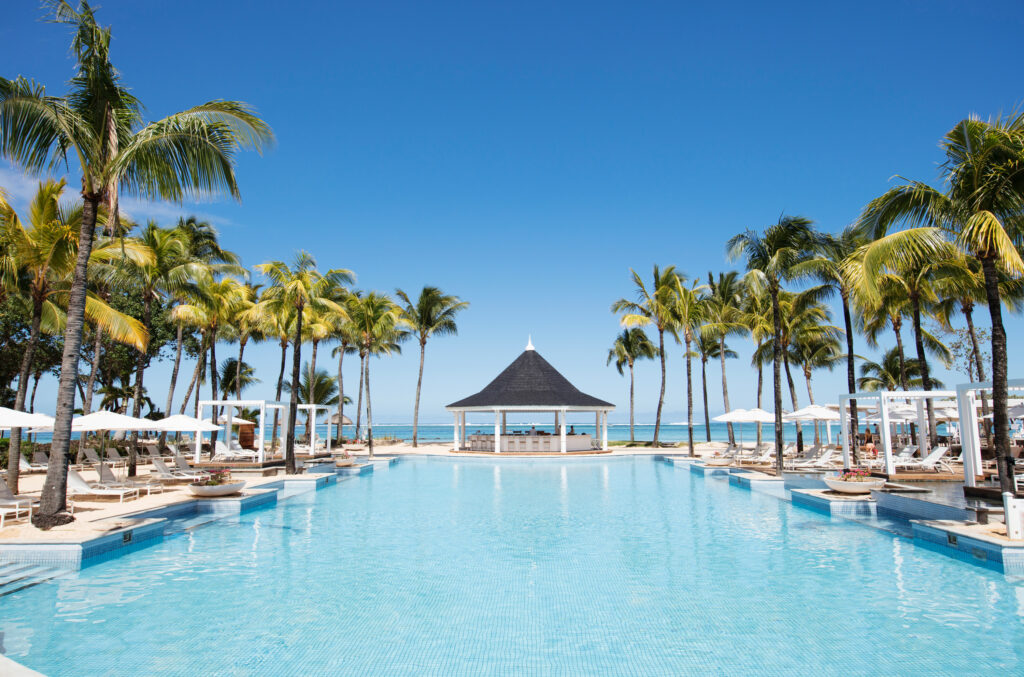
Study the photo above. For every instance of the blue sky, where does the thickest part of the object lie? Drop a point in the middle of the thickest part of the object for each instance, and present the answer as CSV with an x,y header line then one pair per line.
x,y
526,156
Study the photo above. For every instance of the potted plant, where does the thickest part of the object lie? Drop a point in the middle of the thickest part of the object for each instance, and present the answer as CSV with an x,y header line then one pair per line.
x,y
219,483
854,481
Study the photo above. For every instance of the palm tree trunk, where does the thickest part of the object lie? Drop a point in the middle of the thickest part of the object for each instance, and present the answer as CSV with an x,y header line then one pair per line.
x,y
725,391
1000,421
851,375
24,373
689,395
704,387
202,370
359,404
777,378
174,382
200,365
312,361
277,396
369,412
419,384
632,402
792,396
810,399
140,370
32,398
904,383
341,395
968,310
242,340
54,495
293,401
661,395
926,380
760,388
213,391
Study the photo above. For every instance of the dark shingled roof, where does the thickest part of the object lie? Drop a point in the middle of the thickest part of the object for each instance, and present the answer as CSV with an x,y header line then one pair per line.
x,y
530,381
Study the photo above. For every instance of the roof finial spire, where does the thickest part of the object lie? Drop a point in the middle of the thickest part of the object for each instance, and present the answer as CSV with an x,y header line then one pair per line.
x,y
529,342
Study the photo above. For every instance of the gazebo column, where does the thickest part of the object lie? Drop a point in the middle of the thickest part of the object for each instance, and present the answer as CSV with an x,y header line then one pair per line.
x,y
263,421
883,413
455,430
561,434
504,422
462,429
844,431
199,437
922,425
604,431
497,432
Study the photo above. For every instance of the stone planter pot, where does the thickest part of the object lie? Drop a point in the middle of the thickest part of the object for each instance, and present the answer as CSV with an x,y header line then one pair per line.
x,y
717,462
844,487
219,490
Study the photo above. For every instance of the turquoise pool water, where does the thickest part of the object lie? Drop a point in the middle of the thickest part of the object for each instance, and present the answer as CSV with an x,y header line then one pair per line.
x,y
483,567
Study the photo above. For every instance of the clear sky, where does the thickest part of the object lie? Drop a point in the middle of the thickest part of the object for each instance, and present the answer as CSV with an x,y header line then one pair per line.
x,y
526,155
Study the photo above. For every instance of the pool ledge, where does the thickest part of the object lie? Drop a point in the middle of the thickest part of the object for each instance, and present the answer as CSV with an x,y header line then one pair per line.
x,y
832,503
971,542
75,550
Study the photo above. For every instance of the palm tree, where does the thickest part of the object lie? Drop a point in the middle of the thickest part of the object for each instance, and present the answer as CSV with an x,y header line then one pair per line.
x,y
652,306
235,379
316,387
817,347
347,344
803,314
298,287
99,123
722,318
375,319
708,349
43,257
629,346
981,213
690,312
826,266
771,258
756,313
889,374
433,314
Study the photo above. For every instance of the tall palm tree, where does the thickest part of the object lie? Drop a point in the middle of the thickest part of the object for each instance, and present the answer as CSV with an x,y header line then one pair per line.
x,y
981,213
99,123
771,258
653,306
756,313
299,286
433,314
708,349
347,344
43,257
803,314
375,318
316,387
690,310
723,317
817,347
830,253
234,378
629,346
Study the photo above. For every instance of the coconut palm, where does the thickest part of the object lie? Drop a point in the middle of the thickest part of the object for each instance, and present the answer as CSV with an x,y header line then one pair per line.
x,y
981,213
433,314
708,349
756,313
772,257
316,387
723,317
375,319
889,374
347,339
99,124
629,346
817,347
299,286
653,306
235,379
43,256
690,312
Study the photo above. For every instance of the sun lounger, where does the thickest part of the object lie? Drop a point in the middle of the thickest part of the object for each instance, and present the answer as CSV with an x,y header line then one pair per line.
x,y
25,466
933,461
108,480
13,512
92,458
164,473
40,458
7,499
223,453
115,458
77,486
824,461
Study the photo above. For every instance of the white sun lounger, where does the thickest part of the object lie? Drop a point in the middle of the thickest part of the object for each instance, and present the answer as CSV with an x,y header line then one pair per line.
x,y
7,499
13,511
77,486
108,480
225,454
162,472
933,461
25,466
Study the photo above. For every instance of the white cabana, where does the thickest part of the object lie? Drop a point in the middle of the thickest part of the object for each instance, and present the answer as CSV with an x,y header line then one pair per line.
x,y
885,399
228,415
12,418
314,411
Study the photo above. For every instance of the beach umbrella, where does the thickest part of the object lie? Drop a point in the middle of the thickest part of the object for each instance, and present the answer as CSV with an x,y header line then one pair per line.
x,y
180,423
758,416
106,421
235,421
734,416
813,412
344,419
12,418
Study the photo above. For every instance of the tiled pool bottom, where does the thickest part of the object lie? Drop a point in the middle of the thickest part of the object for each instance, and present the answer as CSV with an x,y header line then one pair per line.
x,y
474,566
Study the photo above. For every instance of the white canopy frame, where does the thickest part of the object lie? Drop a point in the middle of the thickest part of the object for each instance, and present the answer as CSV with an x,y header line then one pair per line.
x,y
883,397
970,438
313,410
501,415
228,413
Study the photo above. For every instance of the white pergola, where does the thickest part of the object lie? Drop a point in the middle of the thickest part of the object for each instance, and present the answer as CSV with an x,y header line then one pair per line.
x,y
229,408
313,410
883,398
501,422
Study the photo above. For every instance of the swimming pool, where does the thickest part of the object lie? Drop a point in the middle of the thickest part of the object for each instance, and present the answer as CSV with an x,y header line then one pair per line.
x,y
481,566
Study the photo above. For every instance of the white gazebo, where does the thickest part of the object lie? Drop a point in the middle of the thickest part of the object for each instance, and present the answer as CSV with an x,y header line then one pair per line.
x,y
883,398
314,410
530,385
228,414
